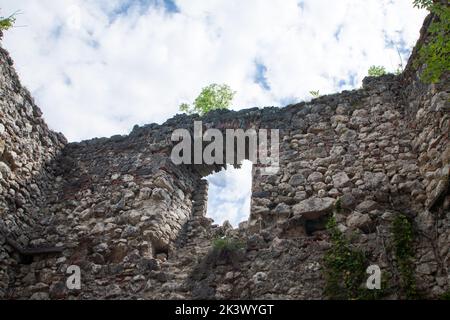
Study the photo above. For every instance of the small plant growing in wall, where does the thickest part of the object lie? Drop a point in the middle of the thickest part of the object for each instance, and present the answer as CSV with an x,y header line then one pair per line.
x,y
398,71
227,250
227,244
212,97
7,22
315,93
377,71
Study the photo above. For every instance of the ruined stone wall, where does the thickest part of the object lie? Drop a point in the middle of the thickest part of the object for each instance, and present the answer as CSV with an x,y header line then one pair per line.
x,y
428,109
430,122
431,144
353,146
119,204
135,223
27,148
379,152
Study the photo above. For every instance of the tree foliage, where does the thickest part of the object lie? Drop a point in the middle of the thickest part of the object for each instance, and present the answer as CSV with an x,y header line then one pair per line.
x,y
435,54
377,71
212,97
7,22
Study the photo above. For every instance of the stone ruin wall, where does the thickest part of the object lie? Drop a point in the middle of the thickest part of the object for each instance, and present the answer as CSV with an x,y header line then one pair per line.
x,y
27,150
134,222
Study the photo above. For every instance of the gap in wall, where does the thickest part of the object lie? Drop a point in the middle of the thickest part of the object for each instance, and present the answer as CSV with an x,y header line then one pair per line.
x,y
229,194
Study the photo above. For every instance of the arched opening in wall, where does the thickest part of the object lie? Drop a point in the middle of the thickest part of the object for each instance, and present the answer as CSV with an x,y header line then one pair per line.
x,y
229,194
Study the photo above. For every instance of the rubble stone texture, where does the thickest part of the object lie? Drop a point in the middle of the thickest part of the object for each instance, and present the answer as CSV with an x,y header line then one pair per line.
x,y
135,223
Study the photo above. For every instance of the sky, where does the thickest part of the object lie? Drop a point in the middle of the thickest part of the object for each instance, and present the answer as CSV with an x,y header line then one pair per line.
x,y
98,67
229,194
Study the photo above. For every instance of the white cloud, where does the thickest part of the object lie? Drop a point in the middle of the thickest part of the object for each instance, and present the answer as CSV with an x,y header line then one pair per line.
x,y
229,194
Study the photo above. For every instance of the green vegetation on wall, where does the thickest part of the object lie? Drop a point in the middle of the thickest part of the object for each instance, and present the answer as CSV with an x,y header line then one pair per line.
x,y
345,269
212,97
7,22
403,234
377,71
315,93
226,250
435,54
338,205
446,295
226,243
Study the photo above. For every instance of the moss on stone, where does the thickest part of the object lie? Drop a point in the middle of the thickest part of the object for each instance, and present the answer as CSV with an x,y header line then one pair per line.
x,y
345,269
403,233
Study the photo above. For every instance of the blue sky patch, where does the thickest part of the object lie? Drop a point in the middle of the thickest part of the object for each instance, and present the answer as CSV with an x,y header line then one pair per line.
x,y
337,34
289,100
350,82
301,5
56,31
400,45
67,80
260,76
169,6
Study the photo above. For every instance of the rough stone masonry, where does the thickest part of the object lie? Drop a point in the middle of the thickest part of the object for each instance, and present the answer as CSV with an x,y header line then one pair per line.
x,y
135,223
